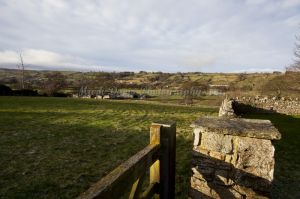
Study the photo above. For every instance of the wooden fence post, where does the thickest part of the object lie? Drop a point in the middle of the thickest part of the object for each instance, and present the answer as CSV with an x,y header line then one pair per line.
x,y
155,139
163,170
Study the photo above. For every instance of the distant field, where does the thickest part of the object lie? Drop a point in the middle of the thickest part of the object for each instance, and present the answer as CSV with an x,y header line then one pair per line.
x,y
57,147
285,84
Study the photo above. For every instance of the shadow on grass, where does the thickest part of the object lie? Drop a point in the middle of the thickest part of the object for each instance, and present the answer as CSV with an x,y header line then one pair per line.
x,y
287,155
63,162
52,160
183,167
56,148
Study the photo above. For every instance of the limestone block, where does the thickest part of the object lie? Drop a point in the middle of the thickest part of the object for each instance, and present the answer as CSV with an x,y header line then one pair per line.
x,y
214,161
250,193
222,177
206,171
207,175
201,150
256,157
200,186
204,190
216,142
217,155
201,162
228,158
226,108
221,192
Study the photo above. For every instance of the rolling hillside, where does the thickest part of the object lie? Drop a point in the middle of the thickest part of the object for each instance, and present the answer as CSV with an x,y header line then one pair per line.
x,y
238,83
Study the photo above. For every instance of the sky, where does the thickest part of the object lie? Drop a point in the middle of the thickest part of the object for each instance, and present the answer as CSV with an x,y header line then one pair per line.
x,y
156,35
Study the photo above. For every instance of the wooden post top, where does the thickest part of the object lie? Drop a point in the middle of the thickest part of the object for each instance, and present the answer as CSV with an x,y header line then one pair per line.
x,y
164,124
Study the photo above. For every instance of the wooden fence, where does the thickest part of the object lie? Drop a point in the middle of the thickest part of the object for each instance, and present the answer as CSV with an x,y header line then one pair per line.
x,y
158,156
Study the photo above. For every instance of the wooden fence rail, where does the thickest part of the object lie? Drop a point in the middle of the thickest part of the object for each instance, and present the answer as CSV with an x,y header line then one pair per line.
x,y
158,156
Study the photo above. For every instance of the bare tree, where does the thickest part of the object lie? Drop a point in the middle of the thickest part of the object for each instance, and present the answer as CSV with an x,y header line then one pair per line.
x,y
22,69
296,65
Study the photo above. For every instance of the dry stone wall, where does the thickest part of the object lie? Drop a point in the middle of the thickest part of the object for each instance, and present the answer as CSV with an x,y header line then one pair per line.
x,y
285,105
232,158
226,108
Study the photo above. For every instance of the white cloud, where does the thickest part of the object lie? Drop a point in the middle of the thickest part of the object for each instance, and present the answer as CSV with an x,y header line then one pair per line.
x,y
290,3
259,70
255,2
137,35
42,59
38,57
293,21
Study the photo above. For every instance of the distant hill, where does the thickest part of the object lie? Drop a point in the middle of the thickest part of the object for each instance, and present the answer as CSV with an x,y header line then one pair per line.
x,y
238,83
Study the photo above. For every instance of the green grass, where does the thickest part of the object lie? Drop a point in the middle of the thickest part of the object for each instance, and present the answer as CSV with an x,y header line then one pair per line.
x,y
202,101
56,148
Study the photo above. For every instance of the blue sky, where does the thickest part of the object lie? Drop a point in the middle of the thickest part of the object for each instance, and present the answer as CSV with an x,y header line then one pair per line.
x,y
156,35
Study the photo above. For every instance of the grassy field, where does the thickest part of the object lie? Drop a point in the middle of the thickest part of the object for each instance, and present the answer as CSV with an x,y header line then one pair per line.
x,y
57,147
203,101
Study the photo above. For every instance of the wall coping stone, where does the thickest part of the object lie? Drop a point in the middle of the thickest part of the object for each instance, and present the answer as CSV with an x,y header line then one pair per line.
x,y
261,129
